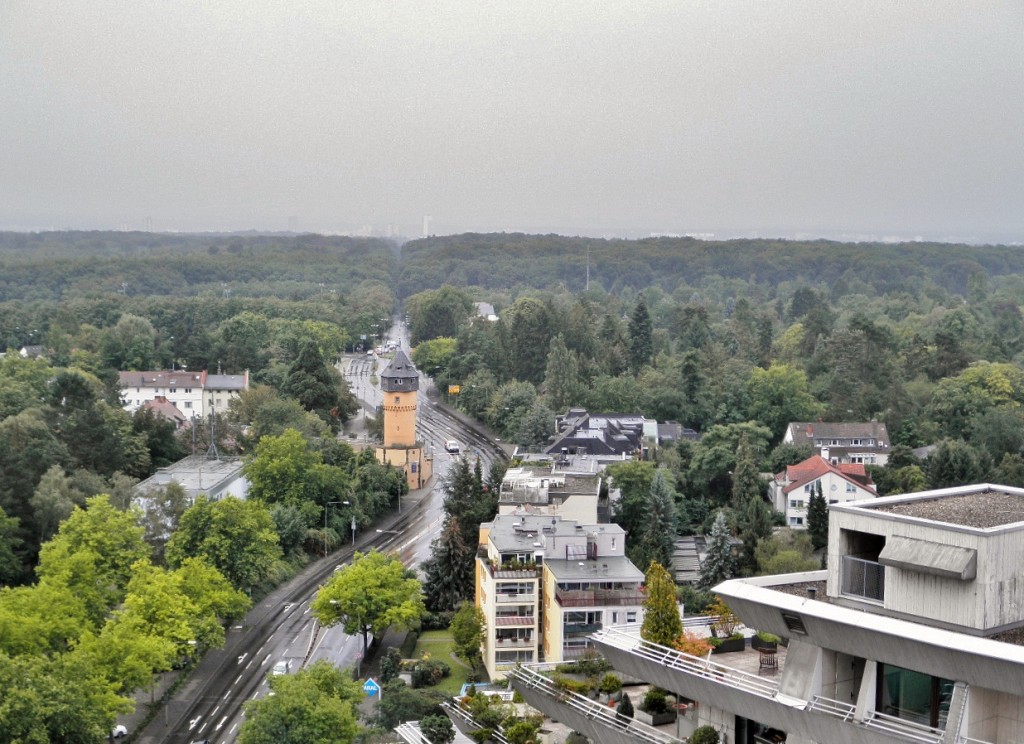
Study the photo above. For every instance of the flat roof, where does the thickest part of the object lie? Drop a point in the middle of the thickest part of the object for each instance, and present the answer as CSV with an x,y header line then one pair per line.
x,y
605,568
980,506
195,474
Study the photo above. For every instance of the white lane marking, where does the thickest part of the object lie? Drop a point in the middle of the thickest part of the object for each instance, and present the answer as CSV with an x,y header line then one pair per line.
x,y
266,659
214,711
226,694
250,663
221,723
201,728
259,651
233,727
193,722
271,636
237,680
242,657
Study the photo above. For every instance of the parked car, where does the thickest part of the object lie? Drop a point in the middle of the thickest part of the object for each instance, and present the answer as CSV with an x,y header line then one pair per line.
x,y
451,446
119,731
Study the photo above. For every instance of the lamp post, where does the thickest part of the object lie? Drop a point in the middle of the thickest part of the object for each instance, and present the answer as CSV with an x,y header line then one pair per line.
x,y
327,508
352,504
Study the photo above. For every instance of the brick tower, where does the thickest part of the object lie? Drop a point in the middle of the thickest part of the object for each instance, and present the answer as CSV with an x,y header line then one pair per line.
x,y
400,382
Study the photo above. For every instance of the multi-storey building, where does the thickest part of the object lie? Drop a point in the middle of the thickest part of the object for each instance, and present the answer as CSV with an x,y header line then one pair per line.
x,y
914,633
194,394
791,489
545,584
866,442
547,489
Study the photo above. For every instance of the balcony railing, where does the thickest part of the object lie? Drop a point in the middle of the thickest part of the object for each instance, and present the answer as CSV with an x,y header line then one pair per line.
x,y
515,621
515,599
600,598
863,578
578,628
501,642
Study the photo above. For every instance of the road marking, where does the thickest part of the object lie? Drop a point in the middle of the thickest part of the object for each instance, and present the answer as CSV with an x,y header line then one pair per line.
x,y
259,650
233,727
237,679
271,636
242,657
228,692
214,711
221,723
193,722
266,659
250,663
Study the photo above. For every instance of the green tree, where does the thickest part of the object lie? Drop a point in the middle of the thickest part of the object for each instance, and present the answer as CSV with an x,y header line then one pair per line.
x,y
529,338
317,704
562,375
437,313
719,563
662,624
283,469
633,478
779,395
757,526
656,539
319,387
956,463
164,507
437,729
624,708
449,570
10,543
641,329
746,480
52,502
130,344
537,427
374,592
93,553
434,356
467,631
234,536
817,518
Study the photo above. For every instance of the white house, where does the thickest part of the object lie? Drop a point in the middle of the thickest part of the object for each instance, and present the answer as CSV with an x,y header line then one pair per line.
x,y
791,489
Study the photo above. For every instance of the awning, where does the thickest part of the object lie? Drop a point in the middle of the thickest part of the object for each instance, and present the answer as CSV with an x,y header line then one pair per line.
x,y
923,556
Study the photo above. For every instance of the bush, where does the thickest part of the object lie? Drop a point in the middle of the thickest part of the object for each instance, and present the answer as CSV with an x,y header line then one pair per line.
x,y
655,701
579,686
436,620
428,672
438,729
766,637
610,683
704,735
390,665
693,644
624,709
696,601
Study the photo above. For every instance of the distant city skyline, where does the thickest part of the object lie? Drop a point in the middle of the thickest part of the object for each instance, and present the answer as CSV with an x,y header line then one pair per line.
x,y
866,120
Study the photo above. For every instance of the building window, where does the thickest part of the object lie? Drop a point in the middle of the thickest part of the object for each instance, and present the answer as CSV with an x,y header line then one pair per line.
x,y
630,616
415,466
796,521
398,399
188,404
796,503
850,488
188,391
172,390
613,543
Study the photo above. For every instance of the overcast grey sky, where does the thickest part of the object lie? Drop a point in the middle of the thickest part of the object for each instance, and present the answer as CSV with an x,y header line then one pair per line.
x,y
825,117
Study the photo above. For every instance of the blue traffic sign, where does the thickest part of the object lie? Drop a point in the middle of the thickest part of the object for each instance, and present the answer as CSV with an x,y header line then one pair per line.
x,y
370,686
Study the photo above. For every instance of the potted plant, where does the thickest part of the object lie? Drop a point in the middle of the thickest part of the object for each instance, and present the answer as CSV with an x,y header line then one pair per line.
x,y
693,644
654,709
726,637
610,687
704,735
765,640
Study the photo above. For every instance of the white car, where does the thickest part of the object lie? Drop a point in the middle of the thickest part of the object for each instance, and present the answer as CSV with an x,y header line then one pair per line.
x,y
282,667
119,731
451,446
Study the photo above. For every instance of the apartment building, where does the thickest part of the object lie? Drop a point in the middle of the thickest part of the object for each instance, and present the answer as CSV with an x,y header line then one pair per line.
x,y
545,584
914,633
194,394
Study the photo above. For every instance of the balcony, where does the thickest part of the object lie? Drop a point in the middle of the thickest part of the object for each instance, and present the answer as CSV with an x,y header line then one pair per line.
x,y
600,598
515,621
513,642
515,598
580,628
864,579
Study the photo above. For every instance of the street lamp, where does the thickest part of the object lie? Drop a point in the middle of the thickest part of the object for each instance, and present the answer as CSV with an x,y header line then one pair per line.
x,y
349,503
327,508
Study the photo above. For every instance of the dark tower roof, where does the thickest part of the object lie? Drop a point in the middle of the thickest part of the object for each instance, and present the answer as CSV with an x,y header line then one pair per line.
x,y
400,376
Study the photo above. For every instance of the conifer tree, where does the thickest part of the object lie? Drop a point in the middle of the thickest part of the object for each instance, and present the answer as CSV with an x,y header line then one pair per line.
x,y
641,336
745,480
661,611
817,518
656,541
757,527
449,570
719,563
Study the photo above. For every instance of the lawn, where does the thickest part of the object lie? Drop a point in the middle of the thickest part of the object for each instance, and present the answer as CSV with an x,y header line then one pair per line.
x,y
438,643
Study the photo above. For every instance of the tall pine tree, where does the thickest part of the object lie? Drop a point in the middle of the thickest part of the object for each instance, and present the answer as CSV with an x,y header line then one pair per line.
x,y
641,336
817,518
656,540
719,563
449,570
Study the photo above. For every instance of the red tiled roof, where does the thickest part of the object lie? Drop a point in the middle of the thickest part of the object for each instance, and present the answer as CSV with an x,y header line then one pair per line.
x,y
816,466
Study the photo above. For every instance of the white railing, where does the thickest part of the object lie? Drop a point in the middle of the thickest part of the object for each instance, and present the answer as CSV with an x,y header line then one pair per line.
x,y
515,598
903,728
457,711
844,711
592,709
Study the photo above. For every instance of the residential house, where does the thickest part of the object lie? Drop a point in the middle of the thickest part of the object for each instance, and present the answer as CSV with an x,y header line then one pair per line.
x,y
545,584
865,442
791,489
914,633
195,394
607,436
167,411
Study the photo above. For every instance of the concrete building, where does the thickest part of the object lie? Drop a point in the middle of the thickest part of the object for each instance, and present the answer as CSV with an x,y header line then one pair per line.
x,y
195,394
402,447
198,474
791,490
915,633
545,584
866,443
550,490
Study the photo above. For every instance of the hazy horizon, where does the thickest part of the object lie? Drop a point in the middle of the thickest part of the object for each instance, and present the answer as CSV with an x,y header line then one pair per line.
x,y
868,120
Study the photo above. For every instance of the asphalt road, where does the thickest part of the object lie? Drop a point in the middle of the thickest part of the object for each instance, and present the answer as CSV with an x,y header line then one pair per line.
x,y
281,627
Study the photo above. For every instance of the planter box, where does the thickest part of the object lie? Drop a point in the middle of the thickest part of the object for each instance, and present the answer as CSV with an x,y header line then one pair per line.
x,y
656,719
756,642
730,645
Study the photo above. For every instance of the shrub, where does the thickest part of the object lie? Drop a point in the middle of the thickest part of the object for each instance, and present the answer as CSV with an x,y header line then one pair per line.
x,y
766,637
390,665
625,708
429,672
576,738
437,729
704,735
655,701
610,683
693,644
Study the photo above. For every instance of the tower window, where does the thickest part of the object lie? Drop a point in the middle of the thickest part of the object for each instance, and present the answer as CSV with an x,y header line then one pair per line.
x,y
398,399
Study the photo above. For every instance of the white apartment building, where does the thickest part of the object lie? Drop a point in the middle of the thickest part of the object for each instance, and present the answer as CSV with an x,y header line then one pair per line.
x,y
791,490
915,633
194,394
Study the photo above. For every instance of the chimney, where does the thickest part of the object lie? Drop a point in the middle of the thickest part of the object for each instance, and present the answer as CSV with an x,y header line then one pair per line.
x,y
824,454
